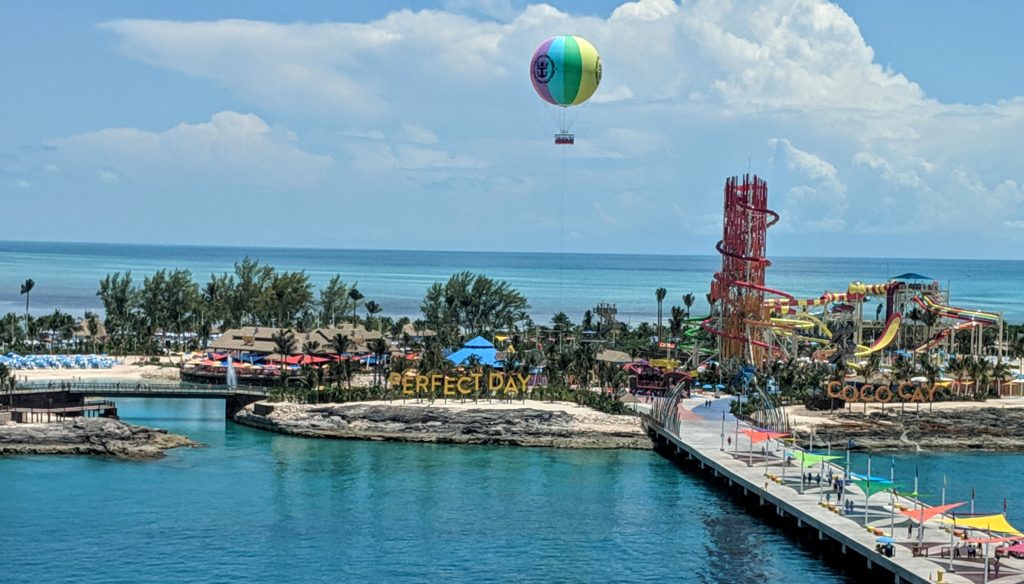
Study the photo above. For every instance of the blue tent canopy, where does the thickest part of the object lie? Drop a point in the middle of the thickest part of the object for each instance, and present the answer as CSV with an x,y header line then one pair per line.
x,y
480,348
911,276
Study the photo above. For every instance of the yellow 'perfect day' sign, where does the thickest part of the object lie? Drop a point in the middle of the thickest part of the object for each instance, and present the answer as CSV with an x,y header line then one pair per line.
x,y
464,385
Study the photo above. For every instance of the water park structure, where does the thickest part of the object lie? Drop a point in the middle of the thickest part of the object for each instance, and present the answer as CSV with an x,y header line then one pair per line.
x,y
754,323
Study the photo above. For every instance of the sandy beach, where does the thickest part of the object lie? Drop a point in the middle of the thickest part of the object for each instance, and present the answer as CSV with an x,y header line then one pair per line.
x,y
802,420
130,368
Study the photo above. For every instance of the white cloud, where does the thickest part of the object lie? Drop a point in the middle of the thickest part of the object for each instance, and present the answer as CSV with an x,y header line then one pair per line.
x,y
417,134
232,148
107,176
818,203
691,91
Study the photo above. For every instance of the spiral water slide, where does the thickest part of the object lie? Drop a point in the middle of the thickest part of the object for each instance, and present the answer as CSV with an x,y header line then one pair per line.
x,y
754,263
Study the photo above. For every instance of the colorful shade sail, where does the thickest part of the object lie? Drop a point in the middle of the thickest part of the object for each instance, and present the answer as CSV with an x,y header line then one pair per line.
x,y
922,515
758,436
808,460
565,70
993,523
871,488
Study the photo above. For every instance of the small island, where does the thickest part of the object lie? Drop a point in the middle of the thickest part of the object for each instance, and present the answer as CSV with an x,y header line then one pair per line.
x,y
539,424
90,436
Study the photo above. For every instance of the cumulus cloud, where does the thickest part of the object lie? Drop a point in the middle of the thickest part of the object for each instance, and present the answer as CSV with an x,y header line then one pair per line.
x,y
691,91
817,199
231,148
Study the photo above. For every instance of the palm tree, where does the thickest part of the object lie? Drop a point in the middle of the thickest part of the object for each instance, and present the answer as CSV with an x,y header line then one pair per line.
x,y
872,366
688,300
1000,371
960,368
981,371
379,348
311,347
355,296
285,344
26,289
372,308
341,344
659,295
675,322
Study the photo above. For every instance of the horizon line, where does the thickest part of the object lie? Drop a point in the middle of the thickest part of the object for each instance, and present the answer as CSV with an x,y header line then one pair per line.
x,y
482,251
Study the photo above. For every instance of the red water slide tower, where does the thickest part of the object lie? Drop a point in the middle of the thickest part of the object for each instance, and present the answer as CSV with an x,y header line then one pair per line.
x,y
738,289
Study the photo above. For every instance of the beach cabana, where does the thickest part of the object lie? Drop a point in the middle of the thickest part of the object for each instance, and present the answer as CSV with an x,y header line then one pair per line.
x,y
480,348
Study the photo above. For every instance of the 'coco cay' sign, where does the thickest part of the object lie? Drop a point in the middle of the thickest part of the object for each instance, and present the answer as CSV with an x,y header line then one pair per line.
x,y
437,384
905,392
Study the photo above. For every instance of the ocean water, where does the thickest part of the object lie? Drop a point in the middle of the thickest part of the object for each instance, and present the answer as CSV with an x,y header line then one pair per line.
x,y
67,275
259,507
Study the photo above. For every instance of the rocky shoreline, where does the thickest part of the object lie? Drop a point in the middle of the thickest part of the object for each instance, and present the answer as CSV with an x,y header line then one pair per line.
x,y
948,429
90,436
513,425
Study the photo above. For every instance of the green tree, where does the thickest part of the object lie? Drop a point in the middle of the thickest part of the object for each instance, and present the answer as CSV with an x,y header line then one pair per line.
x,y
120,304
471,304
333,300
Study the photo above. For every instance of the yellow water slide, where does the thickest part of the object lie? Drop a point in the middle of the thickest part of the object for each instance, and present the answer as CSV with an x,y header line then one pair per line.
x,y
892,327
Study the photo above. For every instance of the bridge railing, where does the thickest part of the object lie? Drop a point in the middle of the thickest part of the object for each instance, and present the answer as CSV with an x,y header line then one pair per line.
x,y
136,387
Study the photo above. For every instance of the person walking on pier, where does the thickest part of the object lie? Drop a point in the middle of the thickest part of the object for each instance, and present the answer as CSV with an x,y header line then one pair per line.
x,y
910,530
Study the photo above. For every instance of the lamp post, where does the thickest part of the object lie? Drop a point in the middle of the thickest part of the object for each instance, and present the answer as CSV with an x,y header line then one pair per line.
x,y
722,436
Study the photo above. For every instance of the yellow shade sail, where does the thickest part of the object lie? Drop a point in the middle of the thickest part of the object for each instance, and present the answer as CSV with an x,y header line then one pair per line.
x,y
994,523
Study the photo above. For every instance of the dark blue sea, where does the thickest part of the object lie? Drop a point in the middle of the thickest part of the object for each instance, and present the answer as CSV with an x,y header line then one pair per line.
x,y
67,275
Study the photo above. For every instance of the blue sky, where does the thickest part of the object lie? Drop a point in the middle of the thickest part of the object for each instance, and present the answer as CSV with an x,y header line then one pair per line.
x,y
888,129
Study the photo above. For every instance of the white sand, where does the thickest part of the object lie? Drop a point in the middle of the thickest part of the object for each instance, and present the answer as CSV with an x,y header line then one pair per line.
x,y
131,369
800,418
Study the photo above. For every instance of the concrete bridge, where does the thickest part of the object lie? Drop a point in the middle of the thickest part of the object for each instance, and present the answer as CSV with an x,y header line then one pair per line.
x,y
62,394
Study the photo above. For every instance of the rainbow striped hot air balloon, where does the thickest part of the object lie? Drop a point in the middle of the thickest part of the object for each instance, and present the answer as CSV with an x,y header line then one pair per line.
x,y
565,71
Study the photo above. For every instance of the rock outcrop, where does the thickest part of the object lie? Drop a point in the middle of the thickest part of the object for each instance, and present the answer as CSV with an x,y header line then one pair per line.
x,y
90,436
946,429
514,426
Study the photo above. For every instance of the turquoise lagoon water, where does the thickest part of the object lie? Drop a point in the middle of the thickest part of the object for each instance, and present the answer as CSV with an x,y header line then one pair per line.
x,y
67,275
260,507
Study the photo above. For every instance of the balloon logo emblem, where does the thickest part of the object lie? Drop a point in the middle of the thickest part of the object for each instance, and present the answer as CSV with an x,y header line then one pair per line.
x,y
543,69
